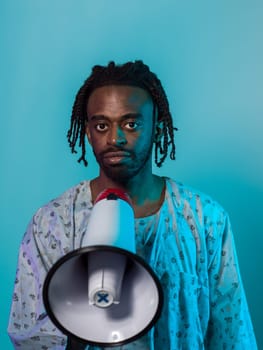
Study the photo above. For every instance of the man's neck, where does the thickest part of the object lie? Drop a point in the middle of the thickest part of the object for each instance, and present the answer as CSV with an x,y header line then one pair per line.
x,y
147,196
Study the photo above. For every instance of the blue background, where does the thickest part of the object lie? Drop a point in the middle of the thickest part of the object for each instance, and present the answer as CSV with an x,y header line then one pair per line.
x,y
208,54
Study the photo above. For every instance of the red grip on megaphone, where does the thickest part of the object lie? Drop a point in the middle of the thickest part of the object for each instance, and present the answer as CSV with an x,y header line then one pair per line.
x,y
115,191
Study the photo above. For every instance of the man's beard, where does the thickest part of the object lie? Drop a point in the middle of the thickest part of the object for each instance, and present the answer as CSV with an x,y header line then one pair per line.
x,y
123,173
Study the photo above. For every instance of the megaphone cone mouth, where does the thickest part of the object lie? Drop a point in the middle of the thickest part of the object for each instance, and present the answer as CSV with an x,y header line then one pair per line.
x,y
65,295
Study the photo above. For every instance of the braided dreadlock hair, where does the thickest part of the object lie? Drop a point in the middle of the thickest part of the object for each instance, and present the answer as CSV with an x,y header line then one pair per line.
x,y
133,74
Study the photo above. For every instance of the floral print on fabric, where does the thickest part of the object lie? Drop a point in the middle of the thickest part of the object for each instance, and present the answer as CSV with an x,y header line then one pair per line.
x,y
188,243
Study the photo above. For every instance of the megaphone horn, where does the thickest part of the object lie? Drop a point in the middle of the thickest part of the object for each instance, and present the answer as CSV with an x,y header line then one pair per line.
x,y
103,294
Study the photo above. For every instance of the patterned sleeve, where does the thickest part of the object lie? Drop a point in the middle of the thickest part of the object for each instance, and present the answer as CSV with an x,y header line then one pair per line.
x,y
29,327
230,325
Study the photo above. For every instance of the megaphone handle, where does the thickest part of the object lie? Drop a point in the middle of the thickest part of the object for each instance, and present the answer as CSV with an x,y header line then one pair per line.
x,y
73,344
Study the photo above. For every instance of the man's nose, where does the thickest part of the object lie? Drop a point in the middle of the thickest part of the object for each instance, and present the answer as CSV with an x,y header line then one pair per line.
x,y
116,137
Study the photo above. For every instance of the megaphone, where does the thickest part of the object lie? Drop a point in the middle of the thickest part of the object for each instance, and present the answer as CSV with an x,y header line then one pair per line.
x,y
103,294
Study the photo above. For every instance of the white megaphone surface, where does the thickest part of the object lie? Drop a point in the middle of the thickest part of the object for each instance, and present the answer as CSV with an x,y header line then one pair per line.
x,y
110,216
103,293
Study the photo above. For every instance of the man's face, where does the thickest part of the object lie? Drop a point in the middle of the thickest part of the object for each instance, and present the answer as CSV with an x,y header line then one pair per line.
x,y
120,130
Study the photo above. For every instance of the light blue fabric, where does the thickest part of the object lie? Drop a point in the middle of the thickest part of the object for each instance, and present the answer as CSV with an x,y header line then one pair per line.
x,y
188,243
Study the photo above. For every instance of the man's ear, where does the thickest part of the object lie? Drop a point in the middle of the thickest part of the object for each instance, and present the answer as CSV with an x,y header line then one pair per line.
x,y
88,132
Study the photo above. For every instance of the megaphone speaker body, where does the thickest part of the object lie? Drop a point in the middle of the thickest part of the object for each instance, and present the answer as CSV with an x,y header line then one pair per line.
x,y
104,294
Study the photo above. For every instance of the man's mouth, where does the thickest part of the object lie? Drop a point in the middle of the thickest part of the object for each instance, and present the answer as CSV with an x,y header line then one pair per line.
x,y
116,157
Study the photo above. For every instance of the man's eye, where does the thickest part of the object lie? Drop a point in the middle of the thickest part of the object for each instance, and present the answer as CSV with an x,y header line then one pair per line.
x,y
101,127
131,125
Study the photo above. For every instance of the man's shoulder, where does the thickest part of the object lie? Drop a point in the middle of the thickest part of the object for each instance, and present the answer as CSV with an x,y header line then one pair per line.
x,y
69,198
185,194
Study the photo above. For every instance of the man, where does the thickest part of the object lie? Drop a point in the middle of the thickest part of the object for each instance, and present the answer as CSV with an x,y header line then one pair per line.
x,y
183,234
